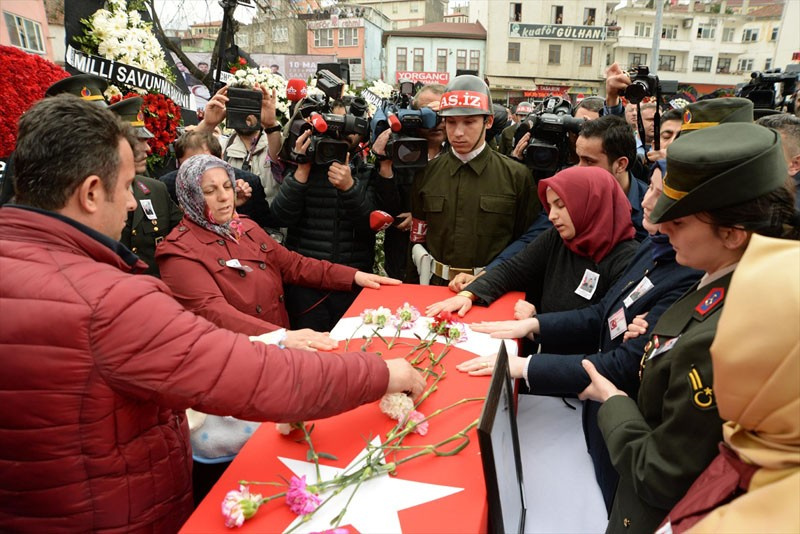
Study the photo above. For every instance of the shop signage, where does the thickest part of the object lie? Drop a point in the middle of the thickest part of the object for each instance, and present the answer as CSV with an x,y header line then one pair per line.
x,y
424,77
557,31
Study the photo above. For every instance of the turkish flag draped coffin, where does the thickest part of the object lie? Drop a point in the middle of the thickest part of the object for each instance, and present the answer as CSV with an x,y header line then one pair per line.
x,y
427,494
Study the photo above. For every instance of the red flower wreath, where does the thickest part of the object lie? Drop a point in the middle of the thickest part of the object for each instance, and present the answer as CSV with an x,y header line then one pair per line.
x,y
24,78
162,117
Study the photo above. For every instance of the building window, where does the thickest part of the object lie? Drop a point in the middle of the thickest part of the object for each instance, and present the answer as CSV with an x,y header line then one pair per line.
x,y
589,14
636,59
554,55
666,63
723,65
475,60
669,31
441,60
260,37
419,59
750,35
557,14
402,59
702,63
774,35
414,7
24,33
727,34
643,29
706,31
586,55
745,65
323,38
461,59
515,11
768,64
394,8
348,36
281,35
243,39
513,52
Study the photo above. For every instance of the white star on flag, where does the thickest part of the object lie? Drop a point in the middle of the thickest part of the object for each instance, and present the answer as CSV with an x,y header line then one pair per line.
x,y
376,503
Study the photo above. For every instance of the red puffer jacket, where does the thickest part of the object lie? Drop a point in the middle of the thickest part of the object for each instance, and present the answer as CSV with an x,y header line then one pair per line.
x,y
97,368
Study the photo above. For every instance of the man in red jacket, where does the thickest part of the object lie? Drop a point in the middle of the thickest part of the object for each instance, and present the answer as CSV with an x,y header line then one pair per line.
x,y
98,366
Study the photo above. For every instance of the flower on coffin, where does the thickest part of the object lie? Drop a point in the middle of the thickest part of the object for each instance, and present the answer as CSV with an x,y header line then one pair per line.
x,y
416,422
300,499
397,405
240,505
380,317
405,316
441,322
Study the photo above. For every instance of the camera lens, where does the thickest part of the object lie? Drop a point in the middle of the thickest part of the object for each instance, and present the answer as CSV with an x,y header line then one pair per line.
x,y
541,158
408,153
637,91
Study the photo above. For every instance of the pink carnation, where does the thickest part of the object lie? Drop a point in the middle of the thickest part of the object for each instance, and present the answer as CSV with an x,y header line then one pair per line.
x,y
299,499
417,419
239,505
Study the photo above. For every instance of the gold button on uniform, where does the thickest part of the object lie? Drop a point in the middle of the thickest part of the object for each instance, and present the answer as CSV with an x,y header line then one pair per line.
x,y
133,232
134,250
626,522
155,228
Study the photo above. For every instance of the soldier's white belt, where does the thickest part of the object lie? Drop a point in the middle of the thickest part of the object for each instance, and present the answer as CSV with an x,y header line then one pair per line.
x,y
427,265
448,273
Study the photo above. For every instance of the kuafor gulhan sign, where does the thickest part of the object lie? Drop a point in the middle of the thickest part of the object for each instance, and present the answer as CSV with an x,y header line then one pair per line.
x,y
557,31
424,77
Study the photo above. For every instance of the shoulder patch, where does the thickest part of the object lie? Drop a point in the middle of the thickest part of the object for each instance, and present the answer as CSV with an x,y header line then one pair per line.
x,y
143,187
702,393
710,302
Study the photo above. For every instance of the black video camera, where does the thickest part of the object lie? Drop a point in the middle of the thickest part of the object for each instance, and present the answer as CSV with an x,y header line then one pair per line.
x,y
761,89
643,84
406,148
549,125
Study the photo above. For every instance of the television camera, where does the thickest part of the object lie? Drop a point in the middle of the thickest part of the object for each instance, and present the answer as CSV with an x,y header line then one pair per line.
x,y
548,147
762,90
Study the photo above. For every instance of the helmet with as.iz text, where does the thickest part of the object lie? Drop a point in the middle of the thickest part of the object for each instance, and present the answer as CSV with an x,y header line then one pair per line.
x,y
465,95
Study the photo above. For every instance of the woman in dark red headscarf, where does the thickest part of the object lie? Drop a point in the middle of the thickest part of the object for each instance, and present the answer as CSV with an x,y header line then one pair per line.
x,y
573,264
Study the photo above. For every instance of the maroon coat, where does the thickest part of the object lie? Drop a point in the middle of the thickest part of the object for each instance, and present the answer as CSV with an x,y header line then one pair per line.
x,y
98,366
192,261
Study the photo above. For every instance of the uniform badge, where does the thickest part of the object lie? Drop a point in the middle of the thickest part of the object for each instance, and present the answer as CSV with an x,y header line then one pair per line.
x,y
85,92
702,394
711,301
143,187
687,117
419,229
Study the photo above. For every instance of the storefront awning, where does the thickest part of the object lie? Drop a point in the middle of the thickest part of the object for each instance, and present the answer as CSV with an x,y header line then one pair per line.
x,y
512,82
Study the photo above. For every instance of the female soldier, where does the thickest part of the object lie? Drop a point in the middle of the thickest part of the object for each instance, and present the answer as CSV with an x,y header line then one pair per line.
x,y
713,201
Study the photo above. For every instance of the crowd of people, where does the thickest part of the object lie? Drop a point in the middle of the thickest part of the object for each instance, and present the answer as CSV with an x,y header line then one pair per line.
x,y
661,287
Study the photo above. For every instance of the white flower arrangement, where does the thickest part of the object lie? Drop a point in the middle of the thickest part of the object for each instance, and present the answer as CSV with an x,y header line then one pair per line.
x,y
263,76
121,35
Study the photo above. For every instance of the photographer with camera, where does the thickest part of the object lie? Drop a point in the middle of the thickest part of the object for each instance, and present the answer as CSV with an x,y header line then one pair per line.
x,y
470,202
256,141
397,252
521,112
326,202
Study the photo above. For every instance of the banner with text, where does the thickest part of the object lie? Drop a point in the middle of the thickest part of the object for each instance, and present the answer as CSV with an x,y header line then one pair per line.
x,y
424,77
557,31
119,73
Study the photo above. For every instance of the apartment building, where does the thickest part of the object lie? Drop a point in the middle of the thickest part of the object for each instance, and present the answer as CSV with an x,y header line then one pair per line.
x,y
408,13
24,25
433,53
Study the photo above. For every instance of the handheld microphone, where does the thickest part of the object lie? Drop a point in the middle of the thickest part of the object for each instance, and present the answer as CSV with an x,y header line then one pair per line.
x,y
296,90
318,122
380,220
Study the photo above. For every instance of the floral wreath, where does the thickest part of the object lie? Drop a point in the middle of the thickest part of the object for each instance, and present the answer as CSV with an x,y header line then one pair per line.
x,y
18,70
162,117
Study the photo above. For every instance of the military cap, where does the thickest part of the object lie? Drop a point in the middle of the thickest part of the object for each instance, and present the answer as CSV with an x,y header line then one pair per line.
x,y
720,167
130,110
714,111
87,86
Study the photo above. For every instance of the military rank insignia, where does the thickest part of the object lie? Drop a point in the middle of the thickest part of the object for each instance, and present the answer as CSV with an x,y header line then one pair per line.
x,y
710,302
702,394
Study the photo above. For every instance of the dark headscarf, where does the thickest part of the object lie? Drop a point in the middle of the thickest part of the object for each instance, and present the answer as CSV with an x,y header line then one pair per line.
x,y
597,206
191,198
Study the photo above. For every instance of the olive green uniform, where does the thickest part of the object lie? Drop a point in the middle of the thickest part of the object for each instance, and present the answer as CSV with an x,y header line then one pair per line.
x,y
660,446
506,145
142,234
473,210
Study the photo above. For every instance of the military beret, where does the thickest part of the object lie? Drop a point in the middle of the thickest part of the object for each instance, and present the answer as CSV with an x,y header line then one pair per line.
x,y
130,110
720,167
87,86
712,112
